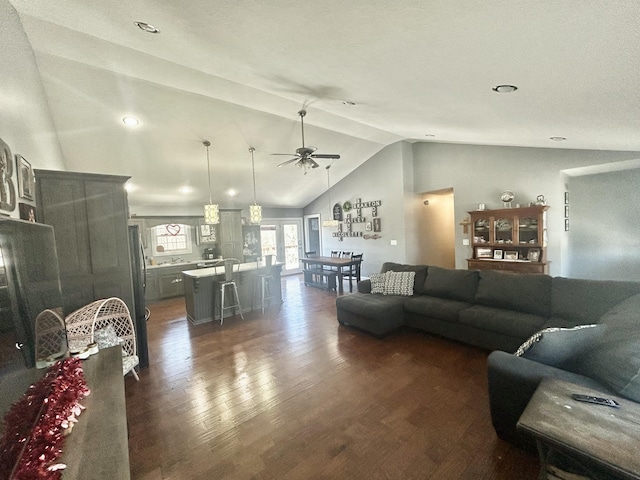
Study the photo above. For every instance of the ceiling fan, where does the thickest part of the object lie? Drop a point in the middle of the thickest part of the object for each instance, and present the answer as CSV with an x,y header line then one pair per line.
x,y
305,156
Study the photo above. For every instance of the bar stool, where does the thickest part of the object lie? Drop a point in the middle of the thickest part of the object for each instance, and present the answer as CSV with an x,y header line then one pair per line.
x,y
229,282
262,289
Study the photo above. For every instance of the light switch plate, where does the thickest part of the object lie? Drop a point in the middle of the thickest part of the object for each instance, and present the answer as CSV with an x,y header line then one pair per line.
x,y
393,242
465,241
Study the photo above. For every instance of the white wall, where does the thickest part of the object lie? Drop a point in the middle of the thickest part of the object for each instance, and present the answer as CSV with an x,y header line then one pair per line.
x,y
480,173
604,226
25,121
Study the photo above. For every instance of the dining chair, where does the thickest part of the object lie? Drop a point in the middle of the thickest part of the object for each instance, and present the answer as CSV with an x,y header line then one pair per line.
x,y
353,271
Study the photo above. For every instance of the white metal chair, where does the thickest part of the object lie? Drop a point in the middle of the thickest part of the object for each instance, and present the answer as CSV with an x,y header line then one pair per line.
x,y
51,337
108,323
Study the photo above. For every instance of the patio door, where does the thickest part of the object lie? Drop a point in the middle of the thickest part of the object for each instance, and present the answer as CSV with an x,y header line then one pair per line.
x,y
283,238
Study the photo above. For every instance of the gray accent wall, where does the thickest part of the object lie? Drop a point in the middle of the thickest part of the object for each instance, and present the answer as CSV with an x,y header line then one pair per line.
x,y
604,226
478,174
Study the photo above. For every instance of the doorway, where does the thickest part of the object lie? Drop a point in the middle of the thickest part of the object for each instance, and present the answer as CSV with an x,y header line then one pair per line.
x,y
312,237
436,220
283,238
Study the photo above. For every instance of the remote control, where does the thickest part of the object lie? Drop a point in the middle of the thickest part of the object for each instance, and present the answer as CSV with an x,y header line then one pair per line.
x,y
609,402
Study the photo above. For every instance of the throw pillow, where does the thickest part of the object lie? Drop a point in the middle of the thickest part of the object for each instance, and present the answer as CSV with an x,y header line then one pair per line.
x,y
561,347
399,283
377,282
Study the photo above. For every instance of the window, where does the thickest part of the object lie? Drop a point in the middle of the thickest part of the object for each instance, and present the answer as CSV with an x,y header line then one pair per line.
x,y
171,239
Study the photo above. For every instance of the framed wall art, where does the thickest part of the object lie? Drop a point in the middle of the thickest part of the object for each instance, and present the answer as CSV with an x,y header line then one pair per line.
x,y
27,212
26,182
7,188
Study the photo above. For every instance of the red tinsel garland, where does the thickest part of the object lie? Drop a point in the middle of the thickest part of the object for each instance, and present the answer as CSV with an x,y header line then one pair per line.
x,y
35,424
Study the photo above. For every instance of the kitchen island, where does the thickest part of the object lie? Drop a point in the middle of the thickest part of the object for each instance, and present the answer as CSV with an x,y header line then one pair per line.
x,y
202,291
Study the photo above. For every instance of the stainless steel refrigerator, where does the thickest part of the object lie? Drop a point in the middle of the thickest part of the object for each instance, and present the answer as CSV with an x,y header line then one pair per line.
x,y
139,277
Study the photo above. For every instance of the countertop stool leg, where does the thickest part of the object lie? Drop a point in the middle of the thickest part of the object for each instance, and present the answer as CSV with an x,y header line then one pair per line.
x,y
264,290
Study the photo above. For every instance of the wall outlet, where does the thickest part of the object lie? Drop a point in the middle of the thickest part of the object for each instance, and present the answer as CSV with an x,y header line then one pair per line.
x,y
393,242
465,241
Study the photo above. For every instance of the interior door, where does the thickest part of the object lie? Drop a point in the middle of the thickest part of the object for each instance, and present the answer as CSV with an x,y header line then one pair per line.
x,y
283,238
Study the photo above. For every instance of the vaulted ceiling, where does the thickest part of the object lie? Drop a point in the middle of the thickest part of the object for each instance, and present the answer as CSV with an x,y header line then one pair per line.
x,y
237,72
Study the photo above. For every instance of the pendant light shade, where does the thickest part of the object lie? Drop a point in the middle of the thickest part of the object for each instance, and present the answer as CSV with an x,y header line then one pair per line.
x,y
211,210
255,210
330,222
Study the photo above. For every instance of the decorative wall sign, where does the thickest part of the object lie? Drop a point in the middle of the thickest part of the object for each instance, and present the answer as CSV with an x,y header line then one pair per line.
x,y
7,188
337,212
351,220
26,180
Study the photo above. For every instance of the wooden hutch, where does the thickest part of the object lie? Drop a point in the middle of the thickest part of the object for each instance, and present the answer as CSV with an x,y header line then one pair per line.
x,y
510,239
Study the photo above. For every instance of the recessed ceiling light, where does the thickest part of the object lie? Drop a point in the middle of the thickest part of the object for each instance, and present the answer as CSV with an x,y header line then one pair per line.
x,y
130,121
504,88
348,102
429,135
186,189
558,139
146,27
129,187
231,192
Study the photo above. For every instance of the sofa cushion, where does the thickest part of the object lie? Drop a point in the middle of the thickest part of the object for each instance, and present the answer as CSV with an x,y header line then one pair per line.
x,y
615,361
399,283
372,306
434,307
624,314
585,301
519,292
506,322
421,273
455,284
561,347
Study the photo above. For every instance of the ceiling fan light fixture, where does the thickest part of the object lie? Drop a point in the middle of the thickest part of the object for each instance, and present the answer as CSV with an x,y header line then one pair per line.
x,y
130,121
255,210
211,210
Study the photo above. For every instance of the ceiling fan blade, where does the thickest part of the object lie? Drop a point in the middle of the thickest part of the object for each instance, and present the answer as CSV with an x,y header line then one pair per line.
x,y
296,159
314,164
287,154
325,155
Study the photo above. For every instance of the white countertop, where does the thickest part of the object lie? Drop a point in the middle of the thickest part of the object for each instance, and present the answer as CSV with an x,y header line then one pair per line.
x,y
179,264
213,271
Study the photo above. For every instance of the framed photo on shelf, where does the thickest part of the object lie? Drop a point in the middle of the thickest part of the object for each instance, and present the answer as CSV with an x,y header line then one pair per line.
x,y
497,254
26,181
484,252
27,212
511,255
534,256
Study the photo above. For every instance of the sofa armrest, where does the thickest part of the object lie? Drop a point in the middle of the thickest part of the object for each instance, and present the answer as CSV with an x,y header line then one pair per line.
x,y
512,382
364,286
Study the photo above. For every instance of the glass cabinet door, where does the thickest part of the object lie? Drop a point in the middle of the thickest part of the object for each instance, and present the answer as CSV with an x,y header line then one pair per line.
x,y
481,231
503,230
528,231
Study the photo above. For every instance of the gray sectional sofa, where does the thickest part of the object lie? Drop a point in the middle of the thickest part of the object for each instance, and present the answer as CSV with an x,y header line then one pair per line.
x,y
501,311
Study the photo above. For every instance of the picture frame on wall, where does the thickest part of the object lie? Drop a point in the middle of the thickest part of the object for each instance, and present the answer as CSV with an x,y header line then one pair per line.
x,y
26,180
376,225
27,212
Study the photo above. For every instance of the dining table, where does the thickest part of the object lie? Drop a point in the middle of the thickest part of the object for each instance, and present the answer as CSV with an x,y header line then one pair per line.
x,y
339,264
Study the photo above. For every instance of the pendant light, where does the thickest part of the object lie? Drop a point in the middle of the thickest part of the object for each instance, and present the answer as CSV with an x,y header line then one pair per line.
x,y
211,210
331,222
255,210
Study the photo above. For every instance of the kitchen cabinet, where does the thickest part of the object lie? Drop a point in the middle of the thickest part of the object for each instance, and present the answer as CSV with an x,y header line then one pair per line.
x,y
89,215
510,239
231,234
170,283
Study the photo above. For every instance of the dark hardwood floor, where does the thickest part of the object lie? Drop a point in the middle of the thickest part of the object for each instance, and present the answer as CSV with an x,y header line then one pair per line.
x,y
293,395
